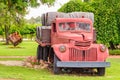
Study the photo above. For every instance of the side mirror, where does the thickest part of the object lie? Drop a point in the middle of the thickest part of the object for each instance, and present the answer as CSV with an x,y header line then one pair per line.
x,y
94,35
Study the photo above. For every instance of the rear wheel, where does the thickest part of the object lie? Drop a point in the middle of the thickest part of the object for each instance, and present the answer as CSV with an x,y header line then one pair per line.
x,y
39,53
101,71
56,69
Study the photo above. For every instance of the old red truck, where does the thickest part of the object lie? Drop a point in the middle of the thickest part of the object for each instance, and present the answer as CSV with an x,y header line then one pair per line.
x,y
69,41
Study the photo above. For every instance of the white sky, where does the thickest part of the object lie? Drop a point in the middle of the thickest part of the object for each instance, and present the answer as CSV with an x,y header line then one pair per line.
x,y
34,12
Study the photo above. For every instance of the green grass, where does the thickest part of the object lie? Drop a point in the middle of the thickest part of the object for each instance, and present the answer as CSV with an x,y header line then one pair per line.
x,y
29,48
26,48
21,73
114,52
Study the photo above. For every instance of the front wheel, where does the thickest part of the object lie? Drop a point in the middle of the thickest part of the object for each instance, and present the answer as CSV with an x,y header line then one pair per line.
x,y
101,71
56,69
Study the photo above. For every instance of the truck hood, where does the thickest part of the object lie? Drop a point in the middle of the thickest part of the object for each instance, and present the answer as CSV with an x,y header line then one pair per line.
x,y
72,36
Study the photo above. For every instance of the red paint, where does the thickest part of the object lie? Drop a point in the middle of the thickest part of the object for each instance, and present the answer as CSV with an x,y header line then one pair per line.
x,y
79,42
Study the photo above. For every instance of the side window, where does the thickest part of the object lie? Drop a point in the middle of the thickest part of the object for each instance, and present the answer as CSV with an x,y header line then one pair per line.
x,y
54,27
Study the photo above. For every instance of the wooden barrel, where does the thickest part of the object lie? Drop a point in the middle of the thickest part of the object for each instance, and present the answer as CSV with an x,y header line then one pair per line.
x,y
50,16
43,33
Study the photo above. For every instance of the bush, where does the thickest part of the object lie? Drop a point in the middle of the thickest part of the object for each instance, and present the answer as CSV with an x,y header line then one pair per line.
x,y
114,52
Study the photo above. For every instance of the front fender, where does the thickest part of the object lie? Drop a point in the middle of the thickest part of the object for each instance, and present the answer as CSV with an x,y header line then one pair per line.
x,y
101,56
63,56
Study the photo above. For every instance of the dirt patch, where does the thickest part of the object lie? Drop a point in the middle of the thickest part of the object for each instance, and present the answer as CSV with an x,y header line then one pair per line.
x,y
21,63
114,56
30,62
12,63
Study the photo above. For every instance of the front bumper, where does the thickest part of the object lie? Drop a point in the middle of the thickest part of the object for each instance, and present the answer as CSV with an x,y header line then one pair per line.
x,y
82,64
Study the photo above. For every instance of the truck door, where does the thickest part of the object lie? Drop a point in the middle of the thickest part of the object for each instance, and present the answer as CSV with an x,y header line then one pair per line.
x,y
53,33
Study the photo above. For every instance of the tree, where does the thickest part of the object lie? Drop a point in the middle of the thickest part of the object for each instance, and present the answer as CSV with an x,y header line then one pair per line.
x,y
75,6
13,11
107,22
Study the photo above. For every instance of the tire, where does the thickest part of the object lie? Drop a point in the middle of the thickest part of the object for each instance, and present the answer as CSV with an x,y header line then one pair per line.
x,y
51,55
56,69
45,53
101,71
39,53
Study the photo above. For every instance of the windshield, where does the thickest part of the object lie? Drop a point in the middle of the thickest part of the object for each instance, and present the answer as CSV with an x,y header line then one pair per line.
x,y
74,26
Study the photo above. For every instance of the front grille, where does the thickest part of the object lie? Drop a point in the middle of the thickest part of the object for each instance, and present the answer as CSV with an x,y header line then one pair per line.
x,y
83,44
82,55
75,55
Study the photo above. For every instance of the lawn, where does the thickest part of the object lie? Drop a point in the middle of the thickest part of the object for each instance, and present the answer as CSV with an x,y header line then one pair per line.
x,y
26,48
17,59
22,73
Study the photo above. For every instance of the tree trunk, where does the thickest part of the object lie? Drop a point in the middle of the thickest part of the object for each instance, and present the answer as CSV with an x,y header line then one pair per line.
x,y
112,46
7,34
31,36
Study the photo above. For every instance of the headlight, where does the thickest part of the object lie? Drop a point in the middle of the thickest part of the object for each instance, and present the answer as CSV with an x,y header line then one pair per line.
x,y
102,48
62,48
